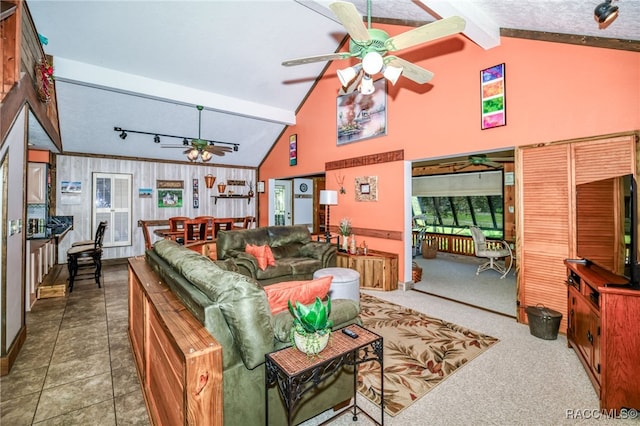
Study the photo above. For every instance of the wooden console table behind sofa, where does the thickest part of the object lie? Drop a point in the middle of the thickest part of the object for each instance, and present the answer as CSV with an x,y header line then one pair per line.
x,y
179,362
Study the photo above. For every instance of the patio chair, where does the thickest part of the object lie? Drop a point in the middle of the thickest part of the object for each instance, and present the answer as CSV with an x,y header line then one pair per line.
x,y
493,251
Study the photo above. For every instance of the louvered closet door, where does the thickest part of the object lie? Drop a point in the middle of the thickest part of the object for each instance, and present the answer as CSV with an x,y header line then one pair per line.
x,y
546,230
543,232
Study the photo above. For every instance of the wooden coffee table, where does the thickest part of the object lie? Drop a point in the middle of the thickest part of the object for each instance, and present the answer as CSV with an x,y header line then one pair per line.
x,y
295,373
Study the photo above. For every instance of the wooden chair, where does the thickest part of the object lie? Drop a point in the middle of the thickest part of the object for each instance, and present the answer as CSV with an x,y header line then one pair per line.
x,y
224,224
194,230
176,225
210,225
499,250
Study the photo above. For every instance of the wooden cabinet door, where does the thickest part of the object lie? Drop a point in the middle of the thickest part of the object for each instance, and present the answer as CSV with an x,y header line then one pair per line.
x,y
36,183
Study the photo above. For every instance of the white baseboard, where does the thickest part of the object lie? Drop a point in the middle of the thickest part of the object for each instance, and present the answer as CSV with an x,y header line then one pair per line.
x,y
404,286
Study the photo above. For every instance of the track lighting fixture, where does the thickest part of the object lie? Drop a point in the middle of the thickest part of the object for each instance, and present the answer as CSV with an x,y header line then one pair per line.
x,y
605,13
186,141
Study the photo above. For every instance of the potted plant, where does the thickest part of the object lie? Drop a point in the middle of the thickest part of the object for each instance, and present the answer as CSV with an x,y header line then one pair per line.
x,y
345,230
311,326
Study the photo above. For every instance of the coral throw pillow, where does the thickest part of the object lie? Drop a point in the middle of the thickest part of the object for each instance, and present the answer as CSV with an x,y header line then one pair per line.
x,y
263,254
304,292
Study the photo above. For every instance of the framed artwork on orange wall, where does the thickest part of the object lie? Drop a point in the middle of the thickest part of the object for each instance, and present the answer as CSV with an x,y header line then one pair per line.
x,y
293,150
494,113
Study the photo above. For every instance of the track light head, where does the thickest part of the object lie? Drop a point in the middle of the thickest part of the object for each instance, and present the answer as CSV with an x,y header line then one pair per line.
x,y
123,135
605,13
235,147
156,139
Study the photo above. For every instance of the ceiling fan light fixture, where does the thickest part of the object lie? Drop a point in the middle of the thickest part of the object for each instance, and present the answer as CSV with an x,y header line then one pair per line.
x,y
366,85
392,73
605,13
347,75
372,63
193,155
205,155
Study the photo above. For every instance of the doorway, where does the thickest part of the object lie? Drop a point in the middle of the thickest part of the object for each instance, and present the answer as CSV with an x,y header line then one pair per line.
x,y
448,195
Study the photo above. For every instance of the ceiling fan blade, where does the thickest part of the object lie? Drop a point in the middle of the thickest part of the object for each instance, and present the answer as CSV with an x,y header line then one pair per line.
x,y
434,30
463,167
351,19
212,149
409,70
318,58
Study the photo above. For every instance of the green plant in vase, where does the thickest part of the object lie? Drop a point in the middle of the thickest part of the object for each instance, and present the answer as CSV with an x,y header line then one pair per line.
x,y
345,230
311,326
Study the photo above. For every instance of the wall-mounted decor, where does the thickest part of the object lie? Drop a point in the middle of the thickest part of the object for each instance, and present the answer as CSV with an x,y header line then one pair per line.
x,y
366,188
70,192
362,116
170,193
260,186
209,180
169,184
145,192
293,150
196,195
494,113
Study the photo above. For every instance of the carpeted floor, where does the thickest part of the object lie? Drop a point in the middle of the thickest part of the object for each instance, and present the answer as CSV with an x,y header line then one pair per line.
x,y
454,277
420,352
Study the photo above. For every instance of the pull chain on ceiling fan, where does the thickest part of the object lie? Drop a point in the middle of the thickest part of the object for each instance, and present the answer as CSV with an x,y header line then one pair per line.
x,y
371,45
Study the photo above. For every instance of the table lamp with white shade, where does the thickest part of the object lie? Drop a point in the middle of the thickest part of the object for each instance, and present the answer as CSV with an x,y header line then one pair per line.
x,y
328,198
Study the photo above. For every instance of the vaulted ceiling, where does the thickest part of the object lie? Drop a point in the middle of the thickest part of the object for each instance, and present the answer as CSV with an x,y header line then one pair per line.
x,y
145,65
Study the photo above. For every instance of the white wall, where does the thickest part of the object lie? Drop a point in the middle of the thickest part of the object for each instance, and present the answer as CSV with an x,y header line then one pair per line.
x,y
13,153
144,175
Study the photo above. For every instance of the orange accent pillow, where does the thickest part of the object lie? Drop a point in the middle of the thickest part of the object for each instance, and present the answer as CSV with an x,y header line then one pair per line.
x,y
263,254
304,292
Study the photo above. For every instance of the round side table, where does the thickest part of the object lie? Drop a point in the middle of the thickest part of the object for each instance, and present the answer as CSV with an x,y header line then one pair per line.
x,y
345,283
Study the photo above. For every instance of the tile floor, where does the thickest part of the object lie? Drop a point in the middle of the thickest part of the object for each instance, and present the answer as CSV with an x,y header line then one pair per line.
x,y
76,366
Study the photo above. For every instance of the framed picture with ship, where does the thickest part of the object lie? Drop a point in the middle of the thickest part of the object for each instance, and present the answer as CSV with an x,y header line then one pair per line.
x,y
361,116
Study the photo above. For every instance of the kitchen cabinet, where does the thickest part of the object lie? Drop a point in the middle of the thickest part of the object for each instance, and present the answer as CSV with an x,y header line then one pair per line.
x,y
37,183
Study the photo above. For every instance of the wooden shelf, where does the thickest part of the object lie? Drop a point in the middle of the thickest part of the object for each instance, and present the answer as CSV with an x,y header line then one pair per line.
x,y
231,197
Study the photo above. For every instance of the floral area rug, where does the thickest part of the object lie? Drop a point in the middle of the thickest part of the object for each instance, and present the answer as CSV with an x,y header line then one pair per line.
x,y
419,352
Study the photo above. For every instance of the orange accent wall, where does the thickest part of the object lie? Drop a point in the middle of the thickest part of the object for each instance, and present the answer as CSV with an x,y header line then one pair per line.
x,y
37,156
553,92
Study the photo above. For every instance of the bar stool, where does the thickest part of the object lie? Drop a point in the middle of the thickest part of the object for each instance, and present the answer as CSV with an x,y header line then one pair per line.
x,y
87,256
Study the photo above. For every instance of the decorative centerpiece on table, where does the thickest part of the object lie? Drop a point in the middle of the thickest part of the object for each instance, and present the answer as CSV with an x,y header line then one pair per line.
x,y
345,230
311,326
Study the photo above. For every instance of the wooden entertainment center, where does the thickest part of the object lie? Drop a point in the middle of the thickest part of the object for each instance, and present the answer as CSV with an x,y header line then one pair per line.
x,y
604,330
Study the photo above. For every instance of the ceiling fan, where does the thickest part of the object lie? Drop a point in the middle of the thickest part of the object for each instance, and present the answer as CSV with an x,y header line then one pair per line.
x,y
200,147
371,45
478,160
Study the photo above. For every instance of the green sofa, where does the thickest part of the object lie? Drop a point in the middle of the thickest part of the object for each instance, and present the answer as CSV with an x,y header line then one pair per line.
x,y
235,310
296,256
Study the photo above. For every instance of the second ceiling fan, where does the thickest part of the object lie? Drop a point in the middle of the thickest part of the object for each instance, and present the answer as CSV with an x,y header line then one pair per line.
x,y
371,45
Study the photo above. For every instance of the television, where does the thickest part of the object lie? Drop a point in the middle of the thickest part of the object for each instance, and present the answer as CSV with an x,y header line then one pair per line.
x,y
607,226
